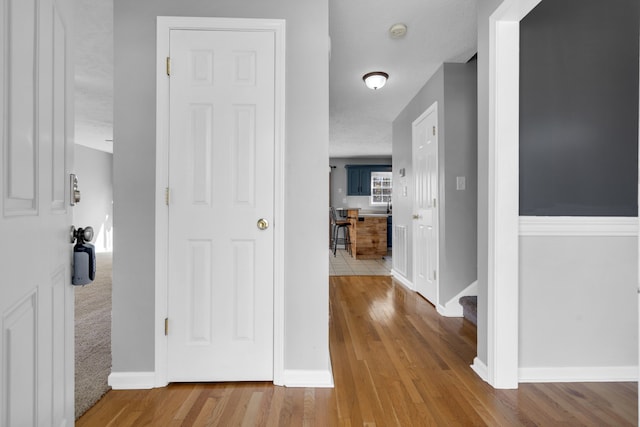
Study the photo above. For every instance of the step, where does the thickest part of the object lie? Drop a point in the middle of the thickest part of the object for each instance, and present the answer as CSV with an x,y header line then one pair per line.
x,y
470,308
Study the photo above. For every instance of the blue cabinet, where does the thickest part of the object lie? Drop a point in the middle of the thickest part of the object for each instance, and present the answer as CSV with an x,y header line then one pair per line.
x,y
358,181
359,178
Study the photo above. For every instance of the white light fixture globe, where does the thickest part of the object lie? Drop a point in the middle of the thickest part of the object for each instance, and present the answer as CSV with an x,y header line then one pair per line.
x,y
375,80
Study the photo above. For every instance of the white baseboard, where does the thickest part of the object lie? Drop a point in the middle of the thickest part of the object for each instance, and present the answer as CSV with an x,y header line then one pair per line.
x,y
303,378
403,280
578,374
292,378
132,380
481,369
453,308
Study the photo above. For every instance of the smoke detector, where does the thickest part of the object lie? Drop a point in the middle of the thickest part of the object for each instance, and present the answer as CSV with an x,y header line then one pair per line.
x,y
397,31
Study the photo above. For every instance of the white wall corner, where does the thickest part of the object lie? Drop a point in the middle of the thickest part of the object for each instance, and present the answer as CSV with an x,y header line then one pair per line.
x,y
453,308
481,369
403,280
132,380
503,190
305,378
578,374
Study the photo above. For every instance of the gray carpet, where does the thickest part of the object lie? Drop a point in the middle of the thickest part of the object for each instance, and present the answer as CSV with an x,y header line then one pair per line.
x,y
470,308
93,336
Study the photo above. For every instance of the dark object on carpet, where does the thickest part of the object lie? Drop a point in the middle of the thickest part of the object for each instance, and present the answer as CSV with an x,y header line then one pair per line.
x,y
470,308
93,336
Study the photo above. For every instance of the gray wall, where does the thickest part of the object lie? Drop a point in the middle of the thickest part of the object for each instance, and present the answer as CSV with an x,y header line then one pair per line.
x,y
432,91
460,221
579,109
95,179
306,192
554,269
453,86
579,157
578,301
338,197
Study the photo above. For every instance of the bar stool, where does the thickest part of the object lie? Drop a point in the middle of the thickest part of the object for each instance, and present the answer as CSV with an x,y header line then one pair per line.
x,y
340,224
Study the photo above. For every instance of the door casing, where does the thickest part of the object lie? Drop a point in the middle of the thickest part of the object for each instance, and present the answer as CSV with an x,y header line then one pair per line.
x,y
164,27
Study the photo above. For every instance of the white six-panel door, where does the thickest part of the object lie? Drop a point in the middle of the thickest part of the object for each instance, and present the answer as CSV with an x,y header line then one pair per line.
x,y
425,204
36,298
221,160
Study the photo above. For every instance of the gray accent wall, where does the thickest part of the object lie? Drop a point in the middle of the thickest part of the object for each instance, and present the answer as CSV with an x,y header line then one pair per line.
x,y
579,157
453,87
94,169
306,189
578,303
579,109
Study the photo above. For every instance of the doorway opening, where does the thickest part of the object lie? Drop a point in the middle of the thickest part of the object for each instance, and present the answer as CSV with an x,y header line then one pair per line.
x,y
360,193
93,128
93,302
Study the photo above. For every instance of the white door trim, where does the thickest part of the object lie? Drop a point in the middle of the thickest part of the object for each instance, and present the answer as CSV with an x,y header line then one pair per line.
x,y
503,227
164,25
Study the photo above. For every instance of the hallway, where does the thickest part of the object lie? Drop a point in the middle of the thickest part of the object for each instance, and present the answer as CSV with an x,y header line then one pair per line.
x,y
396,362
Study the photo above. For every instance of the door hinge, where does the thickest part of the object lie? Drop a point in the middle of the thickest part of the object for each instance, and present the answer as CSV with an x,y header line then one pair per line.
x,y
166,326
435,275
434,202
168,66
434,128
167,195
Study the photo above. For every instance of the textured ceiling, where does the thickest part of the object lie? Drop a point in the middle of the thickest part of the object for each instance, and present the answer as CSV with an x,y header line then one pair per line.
x,y
94,73
438,31
360,118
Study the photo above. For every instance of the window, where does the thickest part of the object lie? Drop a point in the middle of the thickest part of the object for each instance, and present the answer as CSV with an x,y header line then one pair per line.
x,y
381,186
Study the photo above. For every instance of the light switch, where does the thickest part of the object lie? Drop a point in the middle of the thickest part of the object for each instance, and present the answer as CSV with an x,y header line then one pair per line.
x,y
339,190
461,183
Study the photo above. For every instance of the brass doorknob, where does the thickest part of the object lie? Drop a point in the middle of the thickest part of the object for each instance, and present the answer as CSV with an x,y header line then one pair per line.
x,y
263,224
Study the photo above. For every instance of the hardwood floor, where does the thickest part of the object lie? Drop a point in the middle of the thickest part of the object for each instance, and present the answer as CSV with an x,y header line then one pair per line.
x,y
396,362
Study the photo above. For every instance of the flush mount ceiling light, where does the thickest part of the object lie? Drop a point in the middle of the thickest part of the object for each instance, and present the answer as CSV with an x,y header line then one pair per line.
x,y
375,80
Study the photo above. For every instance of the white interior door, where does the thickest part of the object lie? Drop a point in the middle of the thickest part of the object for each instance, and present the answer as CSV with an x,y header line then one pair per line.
x,y
221,180
36,297
425,204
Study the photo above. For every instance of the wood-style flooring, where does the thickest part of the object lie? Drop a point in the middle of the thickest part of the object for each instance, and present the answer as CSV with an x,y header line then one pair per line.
x,y
396,362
